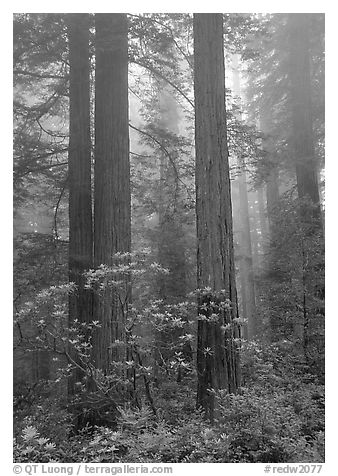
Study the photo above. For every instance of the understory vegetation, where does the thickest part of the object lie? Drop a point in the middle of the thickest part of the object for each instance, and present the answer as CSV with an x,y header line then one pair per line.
x,y
276,417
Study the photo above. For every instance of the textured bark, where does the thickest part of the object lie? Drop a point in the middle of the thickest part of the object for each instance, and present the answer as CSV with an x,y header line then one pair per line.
x,y
246,266
112,229
79,158
302,128
217,369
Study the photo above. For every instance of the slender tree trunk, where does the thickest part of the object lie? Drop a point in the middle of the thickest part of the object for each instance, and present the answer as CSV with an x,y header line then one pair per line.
x,y
272,201
254,225
246,267
79,175
272,190
217,358
171,251
262,214
272,198
171,244
112,215
41,365
239,262
243,296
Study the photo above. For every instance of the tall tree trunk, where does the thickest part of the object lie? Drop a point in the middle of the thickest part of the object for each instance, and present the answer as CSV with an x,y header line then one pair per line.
x,y
79,175
217,358
306,170
254,225
302,127
262,215
171,251
246,267
239,262
172,287
272,198
112,215
272,190
272,201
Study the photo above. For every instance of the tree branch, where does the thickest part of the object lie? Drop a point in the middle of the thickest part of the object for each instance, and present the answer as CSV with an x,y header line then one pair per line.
x,y
56,211
37,75
161,76
40,169
167,153
171,34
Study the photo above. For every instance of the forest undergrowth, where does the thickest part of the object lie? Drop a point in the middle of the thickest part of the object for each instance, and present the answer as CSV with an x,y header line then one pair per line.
x,y
277,415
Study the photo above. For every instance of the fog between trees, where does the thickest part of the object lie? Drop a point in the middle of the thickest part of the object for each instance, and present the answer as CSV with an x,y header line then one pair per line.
x,y
168,226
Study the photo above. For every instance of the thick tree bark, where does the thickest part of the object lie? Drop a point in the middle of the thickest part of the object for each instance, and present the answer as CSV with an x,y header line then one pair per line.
x,y
217,358
112,215
246,267
79,175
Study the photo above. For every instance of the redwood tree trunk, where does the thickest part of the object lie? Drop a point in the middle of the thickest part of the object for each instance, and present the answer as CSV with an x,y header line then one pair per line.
x,y
262,214
112,229
246,267
79,171
306,171
272,198
171,252
272,189
302,128
217,359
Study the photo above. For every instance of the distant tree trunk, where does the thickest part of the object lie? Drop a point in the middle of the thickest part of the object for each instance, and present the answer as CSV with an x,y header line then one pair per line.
x,y
302,127
262,214
240,276
217,357
254,225
171,252
243,297
272,190
306,169
246,267
172,287
272,197
41,365
272,200
79,175
112,215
